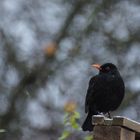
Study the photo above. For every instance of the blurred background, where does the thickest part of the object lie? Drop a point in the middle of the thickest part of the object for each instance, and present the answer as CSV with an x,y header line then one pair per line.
x,y
46,51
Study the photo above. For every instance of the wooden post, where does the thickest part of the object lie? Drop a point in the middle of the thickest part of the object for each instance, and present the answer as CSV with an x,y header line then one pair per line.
x,y
118,128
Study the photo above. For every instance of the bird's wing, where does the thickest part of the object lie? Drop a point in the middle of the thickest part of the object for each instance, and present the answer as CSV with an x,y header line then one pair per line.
x,y
90,93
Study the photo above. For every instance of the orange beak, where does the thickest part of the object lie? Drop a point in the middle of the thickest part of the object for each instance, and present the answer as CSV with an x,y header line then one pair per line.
x,y
97,66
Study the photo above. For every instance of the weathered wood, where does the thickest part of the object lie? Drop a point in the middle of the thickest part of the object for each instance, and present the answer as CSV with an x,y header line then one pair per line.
x,y
98,120
101,120
118,128
112,133
128,123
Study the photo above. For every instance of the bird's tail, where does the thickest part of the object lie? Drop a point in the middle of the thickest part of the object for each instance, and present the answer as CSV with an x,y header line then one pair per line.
x,y
87,125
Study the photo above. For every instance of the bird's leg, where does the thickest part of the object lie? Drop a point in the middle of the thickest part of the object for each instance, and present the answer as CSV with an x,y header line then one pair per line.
x,y
109,115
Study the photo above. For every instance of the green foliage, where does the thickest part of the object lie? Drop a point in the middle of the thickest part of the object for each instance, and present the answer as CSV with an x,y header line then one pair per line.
x,y
71,126
73,118
64,135
90,137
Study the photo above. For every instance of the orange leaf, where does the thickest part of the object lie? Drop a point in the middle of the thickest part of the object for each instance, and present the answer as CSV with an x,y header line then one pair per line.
x,y
70,106
50,49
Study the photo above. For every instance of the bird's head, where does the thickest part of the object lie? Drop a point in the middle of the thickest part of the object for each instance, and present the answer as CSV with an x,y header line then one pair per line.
x,y
106,68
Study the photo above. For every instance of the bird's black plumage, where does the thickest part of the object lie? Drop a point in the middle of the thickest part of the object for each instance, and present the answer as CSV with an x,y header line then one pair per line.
x,y
105,93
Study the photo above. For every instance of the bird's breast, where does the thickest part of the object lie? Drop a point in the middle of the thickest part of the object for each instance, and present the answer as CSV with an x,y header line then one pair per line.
x,y
110,94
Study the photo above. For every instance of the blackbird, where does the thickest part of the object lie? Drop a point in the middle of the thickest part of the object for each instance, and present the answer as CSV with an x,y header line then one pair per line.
x,y
105,93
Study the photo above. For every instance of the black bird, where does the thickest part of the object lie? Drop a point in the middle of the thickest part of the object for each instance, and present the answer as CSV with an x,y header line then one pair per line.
x,y
105,93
